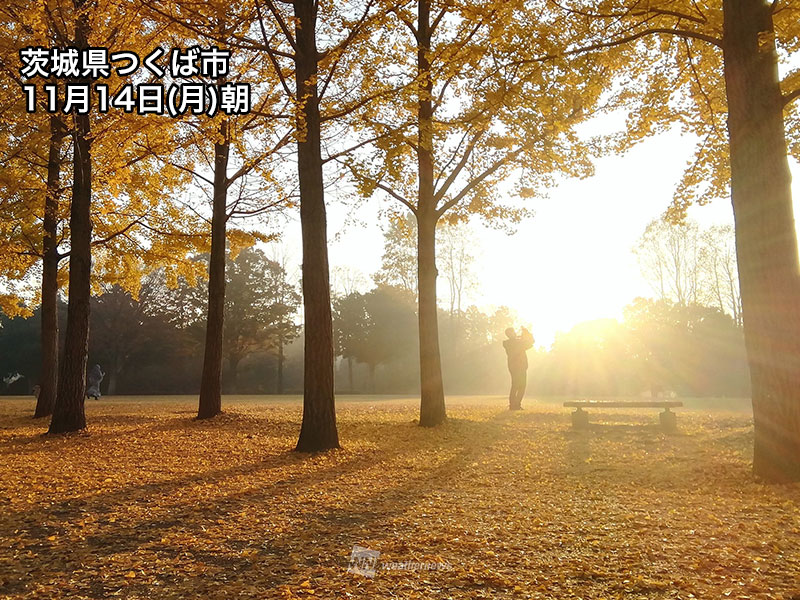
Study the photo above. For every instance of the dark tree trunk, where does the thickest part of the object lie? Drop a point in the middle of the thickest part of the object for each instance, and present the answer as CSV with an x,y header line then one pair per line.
x,y
50,259
68,412
766,241
211,379
432,409
318,431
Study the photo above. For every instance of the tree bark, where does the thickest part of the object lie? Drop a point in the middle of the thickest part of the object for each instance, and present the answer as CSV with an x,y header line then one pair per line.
x,y
766,241
211,379
318,431
432,409
68,412
48,380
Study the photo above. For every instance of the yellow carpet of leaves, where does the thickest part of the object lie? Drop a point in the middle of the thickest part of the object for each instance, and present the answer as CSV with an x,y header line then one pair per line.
x,y
153,504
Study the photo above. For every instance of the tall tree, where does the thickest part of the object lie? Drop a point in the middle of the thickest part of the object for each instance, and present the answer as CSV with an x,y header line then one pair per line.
x,y
318,430
725,56
480,106
68,411
669,255
456,252
259,310
350,323
48,382
34,143
720,271
291,44
132,217
242,149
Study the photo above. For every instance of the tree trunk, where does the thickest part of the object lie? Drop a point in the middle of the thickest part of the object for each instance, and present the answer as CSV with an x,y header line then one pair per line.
x,y
766,241
318,431
431,409
211,380
48,380
68,412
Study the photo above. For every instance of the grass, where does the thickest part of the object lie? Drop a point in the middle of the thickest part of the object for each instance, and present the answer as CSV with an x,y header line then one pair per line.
x,y
153,504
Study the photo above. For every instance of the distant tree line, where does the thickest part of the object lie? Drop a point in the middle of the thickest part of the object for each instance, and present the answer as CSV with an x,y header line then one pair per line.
x,y
150,347
152,343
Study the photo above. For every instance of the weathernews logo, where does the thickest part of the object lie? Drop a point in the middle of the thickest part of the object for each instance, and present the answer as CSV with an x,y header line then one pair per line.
x,y
364,561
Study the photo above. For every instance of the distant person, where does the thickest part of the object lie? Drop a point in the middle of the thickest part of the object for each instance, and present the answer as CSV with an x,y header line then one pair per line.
x,y
516,349
94,379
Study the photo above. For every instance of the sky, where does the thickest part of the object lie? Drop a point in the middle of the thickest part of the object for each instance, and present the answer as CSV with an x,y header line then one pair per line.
x,y
572,261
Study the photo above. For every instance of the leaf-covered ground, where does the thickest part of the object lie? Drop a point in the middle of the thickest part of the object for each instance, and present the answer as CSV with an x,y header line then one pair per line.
x,y
152,504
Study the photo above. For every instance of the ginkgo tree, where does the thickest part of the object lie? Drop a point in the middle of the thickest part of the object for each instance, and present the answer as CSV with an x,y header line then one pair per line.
x,y
313,49
236,158
727,71
32,193
487,98
120,218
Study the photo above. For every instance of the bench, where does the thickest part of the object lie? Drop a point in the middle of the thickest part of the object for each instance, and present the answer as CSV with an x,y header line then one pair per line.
x,y
580,418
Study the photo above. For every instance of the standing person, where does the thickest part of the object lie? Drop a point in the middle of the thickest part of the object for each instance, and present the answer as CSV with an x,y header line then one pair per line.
x,y
94,379
516,348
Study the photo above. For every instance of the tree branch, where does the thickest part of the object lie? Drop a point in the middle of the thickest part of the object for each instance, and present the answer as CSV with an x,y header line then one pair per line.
x,y
397,197
473,183
789,97
438,195
279,19
342,46
122,231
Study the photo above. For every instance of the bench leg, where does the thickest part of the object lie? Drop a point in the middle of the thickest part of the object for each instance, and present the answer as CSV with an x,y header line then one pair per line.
x,y
580,419
669,420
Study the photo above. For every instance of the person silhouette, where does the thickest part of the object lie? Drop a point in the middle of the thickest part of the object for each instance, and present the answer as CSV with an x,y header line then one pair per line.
x,y
94,379
516,349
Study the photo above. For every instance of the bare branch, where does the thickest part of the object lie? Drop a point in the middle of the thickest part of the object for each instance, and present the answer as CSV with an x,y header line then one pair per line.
x,y
279,19
475,181
458,168
397,197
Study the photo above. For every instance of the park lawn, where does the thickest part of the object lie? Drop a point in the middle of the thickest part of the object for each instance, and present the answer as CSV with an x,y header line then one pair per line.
x,y
152,504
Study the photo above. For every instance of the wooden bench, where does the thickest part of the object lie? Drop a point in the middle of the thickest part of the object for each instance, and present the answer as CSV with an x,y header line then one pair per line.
x,y
580,418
